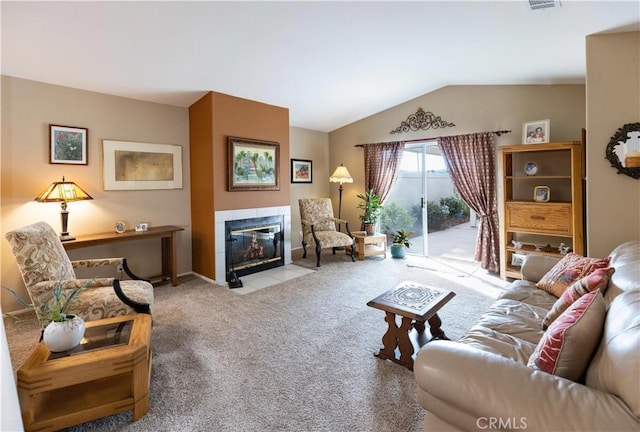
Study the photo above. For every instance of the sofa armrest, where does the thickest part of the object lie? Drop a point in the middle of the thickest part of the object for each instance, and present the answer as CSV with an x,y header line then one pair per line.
x,y
96,262
536,266
483,386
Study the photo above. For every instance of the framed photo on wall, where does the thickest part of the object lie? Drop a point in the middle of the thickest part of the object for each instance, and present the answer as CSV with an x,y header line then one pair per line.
x,y
536,132
68,145
253,165
301,171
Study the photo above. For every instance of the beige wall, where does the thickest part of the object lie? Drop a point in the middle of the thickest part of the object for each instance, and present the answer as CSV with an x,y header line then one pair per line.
x,y
314,146
471,109
28,107
613,100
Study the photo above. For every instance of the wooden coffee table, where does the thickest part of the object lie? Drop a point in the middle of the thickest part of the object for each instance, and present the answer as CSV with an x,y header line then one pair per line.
x,y
415,303
369,245
107,373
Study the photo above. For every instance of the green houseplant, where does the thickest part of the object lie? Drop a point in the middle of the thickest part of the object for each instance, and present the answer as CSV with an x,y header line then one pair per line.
x,y
372,208
62,330
400,243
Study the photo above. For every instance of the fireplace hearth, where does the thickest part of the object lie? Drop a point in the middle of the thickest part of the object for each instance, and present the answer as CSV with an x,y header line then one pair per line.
x,y
253,245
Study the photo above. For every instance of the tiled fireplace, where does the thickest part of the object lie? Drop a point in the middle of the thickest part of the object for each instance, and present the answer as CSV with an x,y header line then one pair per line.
x,y
260,236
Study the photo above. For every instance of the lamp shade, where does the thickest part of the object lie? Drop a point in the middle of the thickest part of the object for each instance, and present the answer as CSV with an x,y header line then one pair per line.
x,y
63,191
341,175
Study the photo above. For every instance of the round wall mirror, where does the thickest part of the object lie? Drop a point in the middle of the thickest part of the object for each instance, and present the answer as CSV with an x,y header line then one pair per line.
x,y
623,151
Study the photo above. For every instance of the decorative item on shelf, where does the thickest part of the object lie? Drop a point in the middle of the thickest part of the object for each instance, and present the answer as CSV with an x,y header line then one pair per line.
x,y
63,192
536,132
301,171
142,226
564,249
517,244
542,247
120,227
530,168
62,330
372,208
400,243
517,259
541,193
623,150
340,175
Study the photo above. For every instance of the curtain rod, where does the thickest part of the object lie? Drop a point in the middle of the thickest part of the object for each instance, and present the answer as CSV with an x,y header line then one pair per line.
x,y
500,132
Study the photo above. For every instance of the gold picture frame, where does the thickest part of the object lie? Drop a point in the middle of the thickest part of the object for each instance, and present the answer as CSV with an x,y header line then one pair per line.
x,y
253,165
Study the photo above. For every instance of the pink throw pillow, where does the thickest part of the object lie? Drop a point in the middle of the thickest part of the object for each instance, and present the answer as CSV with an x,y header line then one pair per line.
x,y
567,346
568,270
599,279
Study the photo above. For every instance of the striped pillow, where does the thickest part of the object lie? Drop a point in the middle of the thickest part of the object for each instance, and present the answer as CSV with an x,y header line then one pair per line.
x,y
567,346
599,279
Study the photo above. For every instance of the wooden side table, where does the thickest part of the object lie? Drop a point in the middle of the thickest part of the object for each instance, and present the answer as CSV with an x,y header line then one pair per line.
x,y
416,304
106,374
369,245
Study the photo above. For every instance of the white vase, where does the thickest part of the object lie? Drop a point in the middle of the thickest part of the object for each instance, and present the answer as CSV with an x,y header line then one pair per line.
x,y
62,336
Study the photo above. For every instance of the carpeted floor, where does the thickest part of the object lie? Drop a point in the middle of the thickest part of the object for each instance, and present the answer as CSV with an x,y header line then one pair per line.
x,y
296,356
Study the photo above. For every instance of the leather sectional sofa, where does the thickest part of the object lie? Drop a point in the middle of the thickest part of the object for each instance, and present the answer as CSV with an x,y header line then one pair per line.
x,y
482,382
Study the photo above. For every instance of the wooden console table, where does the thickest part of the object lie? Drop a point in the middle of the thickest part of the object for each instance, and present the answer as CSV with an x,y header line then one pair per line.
x,y
166,233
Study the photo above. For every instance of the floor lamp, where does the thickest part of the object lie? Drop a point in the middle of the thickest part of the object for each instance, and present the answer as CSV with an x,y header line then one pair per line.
x,y
340,175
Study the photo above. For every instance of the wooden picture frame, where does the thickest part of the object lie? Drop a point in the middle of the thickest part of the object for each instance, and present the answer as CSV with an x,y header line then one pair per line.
x,y
253,165
301,171
536,132
141,166
541,193
68,145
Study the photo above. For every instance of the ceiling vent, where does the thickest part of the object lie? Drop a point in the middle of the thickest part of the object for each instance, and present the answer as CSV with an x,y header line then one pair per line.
x,y
543,4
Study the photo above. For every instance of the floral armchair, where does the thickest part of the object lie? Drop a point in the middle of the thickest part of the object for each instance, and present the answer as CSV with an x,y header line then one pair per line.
x,y
319,227
43,262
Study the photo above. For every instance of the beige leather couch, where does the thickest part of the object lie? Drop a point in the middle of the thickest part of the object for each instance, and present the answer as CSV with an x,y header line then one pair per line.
x,y
482,381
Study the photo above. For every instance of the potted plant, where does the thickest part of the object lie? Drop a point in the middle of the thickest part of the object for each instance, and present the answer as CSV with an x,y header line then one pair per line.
x,y
372,208
400,243
62,330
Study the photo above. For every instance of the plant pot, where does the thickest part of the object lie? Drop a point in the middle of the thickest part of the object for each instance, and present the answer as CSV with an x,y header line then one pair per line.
x,y
398,251
64,335
369,228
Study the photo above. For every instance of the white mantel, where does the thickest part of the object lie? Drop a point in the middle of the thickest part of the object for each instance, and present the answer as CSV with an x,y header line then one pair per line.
x,y
228,215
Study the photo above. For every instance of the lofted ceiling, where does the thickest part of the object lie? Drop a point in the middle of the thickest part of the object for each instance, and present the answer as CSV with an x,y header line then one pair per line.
x,y
330,63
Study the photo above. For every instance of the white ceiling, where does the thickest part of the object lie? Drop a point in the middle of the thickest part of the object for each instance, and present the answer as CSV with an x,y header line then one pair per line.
x,y
330,63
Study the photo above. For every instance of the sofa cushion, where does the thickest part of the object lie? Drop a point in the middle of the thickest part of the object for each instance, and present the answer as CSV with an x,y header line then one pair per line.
x,y
567,346
596,280
568,270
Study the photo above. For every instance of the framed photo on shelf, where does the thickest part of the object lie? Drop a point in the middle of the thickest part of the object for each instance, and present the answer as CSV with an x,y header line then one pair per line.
x,y
541,193
536,132
253,165
301,171
68,145
517,259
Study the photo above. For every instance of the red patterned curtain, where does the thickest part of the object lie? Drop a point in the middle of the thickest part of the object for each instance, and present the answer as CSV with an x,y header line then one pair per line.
x,y
381,163
471,165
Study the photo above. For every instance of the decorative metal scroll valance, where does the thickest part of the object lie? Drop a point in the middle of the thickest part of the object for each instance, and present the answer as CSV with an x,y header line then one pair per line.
x,y
421,120
623,151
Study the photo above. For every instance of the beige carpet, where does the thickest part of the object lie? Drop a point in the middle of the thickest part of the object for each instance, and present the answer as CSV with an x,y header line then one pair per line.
x,y
296,356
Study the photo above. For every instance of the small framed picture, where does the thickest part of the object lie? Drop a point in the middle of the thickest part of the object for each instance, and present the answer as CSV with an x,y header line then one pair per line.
x,y
517,259
536,132
301,171
541,193
68,145
141,227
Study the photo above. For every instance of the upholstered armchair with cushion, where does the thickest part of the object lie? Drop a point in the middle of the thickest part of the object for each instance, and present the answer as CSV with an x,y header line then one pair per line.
x,y
319,227
43,262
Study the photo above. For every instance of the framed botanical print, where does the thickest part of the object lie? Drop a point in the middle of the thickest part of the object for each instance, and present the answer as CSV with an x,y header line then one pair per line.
x,y
68,145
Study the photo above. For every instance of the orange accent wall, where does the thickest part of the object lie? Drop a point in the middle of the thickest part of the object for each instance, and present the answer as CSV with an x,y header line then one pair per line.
x,y
212,119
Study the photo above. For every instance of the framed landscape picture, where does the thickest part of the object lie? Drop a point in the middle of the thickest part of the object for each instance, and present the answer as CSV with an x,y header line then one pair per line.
x,y
301,171
254,165
68,145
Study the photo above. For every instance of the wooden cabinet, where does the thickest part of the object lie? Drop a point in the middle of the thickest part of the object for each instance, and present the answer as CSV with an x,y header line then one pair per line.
x,y
529,226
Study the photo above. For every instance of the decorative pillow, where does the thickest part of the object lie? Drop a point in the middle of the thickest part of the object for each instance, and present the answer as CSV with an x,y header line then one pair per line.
x,y
566,348
568,270
599,279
